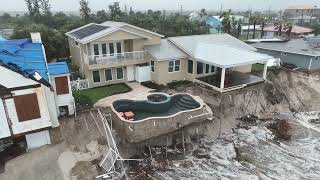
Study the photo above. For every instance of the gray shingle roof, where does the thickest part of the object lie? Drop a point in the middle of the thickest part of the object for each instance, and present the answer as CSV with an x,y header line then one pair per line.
x,y
88,31
165,50
295,46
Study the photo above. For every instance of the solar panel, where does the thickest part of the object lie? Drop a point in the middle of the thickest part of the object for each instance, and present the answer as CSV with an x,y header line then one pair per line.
x,y
88,31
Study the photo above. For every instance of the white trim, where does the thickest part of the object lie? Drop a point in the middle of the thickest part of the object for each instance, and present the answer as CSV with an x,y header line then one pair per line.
x,y
105,77
174,65
223,74
310,64
122,73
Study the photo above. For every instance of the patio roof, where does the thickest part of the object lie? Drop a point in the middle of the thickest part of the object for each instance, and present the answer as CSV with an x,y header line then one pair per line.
x,y
225,56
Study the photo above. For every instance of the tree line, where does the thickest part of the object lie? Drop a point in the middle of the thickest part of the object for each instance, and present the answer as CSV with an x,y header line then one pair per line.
x,y
53,26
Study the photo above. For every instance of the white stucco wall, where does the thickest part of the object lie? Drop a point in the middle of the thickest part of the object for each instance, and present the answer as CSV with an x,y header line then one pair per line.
x,y
64,99
38,139
4,128
42,122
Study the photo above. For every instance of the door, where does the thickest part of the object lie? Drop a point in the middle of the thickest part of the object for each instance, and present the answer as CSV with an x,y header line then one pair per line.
x,y
130,73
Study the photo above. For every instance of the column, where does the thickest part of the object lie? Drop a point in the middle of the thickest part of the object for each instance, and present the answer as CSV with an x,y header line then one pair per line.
x,y
223,74
265,71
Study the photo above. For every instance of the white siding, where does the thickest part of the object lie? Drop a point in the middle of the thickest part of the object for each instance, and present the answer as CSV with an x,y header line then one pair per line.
x,y
64,99
43,122
4,127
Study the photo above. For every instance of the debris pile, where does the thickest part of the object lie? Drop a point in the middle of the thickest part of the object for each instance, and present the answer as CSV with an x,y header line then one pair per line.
x,y
280,129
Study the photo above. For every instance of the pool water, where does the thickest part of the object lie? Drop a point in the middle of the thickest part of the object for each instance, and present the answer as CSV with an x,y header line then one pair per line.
x,y
157,105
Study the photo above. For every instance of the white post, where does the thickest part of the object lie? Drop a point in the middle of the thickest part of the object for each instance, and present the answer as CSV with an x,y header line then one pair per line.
x,y
265,71
223,74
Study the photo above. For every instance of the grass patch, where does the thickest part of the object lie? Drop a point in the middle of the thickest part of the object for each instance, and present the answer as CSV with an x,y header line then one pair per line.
x,y
91,96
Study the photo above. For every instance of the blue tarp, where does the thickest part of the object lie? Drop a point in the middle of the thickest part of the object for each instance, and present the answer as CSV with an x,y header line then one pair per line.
x,y
24,56
58,68
214,24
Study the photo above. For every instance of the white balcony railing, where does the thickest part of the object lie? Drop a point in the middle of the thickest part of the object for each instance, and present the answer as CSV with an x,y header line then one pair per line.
x,y
116,57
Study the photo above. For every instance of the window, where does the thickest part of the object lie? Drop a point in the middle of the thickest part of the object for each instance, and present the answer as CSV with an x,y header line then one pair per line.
x,y
174,66
199,68
108,74
96,49
104,48
76,42
119,47
207,68
212,69
111,49
27,107
152,66
62,85
119,73
96,76
283,54
190,66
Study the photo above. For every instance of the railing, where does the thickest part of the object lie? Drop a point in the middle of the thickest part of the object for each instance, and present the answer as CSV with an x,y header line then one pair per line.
x,y
116,57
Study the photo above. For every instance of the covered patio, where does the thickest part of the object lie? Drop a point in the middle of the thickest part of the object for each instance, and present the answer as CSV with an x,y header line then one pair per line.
x,y
233,67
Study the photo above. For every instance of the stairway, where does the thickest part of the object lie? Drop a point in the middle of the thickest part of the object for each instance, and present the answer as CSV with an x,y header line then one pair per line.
x,y
186,102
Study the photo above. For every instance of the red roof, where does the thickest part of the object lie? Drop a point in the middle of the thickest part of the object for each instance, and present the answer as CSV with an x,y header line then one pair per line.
x,y
295,29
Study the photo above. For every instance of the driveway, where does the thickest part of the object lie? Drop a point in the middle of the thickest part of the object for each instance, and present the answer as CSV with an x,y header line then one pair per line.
x,y
138,92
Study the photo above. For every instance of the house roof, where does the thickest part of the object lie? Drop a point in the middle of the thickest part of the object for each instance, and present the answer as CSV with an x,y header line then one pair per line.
x,y
58,68
226,56
94,31
302,7
189,43
23,56
296,46
295,29
303,17
11,79
165,50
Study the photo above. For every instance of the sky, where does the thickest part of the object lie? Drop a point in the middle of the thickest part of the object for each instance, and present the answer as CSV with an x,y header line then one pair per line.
x,y
73,5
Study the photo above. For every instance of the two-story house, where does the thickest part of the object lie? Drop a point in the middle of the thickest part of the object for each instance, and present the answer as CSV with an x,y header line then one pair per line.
x,y
109,53
116,52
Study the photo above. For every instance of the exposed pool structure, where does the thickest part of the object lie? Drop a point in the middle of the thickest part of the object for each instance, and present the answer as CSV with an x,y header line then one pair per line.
x,y
159,114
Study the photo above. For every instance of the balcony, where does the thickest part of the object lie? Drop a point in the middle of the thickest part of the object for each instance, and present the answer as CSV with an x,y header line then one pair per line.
x,y
125,58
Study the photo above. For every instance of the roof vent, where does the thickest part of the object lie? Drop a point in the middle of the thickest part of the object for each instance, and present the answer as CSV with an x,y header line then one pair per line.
x,y
36,37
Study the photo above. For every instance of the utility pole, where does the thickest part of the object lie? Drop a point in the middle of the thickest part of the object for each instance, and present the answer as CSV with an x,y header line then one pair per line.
x,y
221,9
181,11
163,22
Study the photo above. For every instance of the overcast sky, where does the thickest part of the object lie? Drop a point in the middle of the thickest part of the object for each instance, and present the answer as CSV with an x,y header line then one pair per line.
x,y
73,5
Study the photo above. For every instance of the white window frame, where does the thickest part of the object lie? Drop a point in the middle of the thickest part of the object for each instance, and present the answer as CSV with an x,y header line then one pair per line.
x,y
174,65
99,77
122,73
106,76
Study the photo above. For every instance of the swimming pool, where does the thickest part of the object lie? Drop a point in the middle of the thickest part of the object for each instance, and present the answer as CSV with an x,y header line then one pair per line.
x,y
156,105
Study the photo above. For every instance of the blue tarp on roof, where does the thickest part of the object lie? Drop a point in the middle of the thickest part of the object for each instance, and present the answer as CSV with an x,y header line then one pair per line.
x,y
24,56
58,68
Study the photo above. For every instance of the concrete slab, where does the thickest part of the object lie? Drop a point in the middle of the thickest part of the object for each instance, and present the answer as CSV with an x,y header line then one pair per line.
x,y
138,92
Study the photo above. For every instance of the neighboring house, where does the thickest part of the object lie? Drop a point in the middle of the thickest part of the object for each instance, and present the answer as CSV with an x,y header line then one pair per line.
x,y
304,20
60,81
194,16
115,52
303,53
250,28
271,31
214,24
299,10
6,33
28,106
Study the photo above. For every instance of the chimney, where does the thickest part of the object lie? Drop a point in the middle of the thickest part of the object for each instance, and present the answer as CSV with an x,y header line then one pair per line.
x,y
36,37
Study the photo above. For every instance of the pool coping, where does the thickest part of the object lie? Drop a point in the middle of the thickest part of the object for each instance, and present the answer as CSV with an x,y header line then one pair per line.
x,y
202,105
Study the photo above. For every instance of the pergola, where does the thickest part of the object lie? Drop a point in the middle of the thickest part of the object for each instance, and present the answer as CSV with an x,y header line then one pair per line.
x,y
227,57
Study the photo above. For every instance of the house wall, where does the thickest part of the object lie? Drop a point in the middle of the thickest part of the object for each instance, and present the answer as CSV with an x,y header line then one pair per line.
x,y
301,61
163,76
63,99
77,54
154,39
315,63
244,68
30,125
103,81
4,128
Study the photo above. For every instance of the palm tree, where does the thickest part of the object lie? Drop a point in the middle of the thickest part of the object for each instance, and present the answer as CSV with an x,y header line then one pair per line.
x,y
226,21
278,26
288,28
